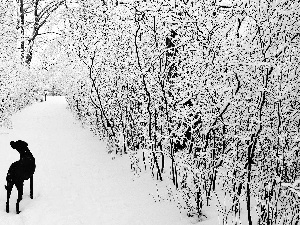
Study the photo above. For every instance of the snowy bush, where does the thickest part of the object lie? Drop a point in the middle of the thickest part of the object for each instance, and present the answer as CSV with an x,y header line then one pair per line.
x,y
15,84
211,86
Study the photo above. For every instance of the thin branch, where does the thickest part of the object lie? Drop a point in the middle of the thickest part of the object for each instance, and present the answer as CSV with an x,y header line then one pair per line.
x,y
221,114
50,32
279,53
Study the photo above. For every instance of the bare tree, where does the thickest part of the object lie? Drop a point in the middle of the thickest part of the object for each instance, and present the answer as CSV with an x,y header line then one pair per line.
x,y
42,10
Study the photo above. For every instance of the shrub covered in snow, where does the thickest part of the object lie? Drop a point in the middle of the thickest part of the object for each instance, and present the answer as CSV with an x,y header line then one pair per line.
x,y
211,86
16,90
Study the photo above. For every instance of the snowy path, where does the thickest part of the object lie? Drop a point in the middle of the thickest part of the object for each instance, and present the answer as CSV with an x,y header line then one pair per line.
x,y
76,181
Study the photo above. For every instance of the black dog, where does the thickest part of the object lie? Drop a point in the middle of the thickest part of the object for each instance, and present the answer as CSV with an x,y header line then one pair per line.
x,y
19,171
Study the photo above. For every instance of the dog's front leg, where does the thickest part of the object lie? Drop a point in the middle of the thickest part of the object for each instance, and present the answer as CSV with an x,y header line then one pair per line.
x,y
31,187
18,207
20,196
7,203
8,191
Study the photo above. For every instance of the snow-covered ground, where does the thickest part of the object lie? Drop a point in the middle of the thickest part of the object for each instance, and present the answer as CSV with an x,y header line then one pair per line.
x,y
76,181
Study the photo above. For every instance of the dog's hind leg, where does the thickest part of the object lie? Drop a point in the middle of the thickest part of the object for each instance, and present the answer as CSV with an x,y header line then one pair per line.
x,y
8,188
31,187
20,196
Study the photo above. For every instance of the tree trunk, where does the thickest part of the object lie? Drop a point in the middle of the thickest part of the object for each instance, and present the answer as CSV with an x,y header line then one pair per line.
x,y
22,21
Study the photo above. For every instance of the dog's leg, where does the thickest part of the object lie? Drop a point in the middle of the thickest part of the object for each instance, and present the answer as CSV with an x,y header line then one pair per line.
x,y
8,188
31,187
20,196
17,207
7,201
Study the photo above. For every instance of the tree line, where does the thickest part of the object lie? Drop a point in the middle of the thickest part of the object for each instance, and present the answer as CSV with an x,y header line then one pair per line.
x,y
211,87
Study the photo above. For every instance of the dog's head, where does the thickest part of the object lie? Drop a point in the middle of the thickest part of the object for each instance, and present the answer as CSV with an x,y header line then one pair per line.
x,y
20,146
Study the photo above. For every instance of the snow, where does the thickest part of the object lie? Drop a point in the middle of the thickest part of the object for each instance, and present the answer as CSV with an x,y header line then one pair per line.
x,y
76,181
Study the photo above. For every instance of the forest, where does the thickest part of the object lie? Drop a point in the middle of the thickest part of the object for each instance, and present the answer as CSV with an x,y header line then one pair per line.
x,y
201,93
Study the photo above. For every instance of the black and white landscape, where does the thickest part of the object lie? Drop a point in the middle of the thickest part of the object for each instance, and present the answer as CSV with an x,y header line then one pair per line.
x,y
152,112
